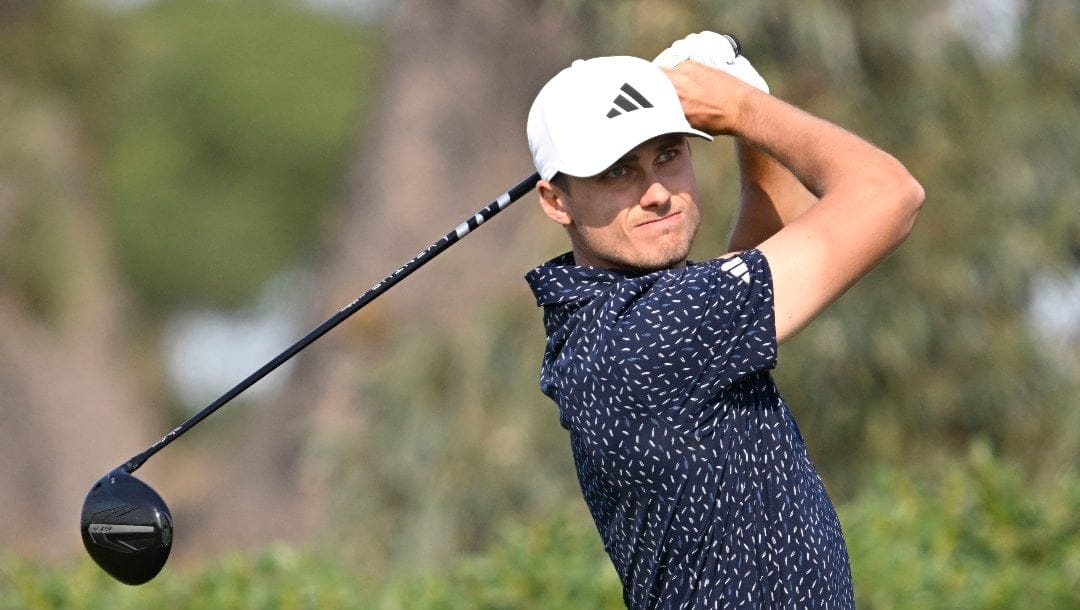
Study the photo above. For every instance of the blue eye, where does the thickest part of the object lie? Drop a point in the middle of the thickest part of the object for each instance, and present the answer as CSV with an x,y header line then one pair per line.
x,y
616,171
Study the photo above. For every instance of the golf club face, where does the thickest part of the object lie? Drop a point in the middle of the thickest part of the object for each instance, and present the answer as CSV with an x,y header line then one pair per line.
x,y
126,528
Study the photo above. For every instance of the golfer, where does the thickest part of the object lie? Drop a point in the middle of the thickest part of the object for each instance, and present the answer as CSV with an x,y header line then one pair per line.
x,y
689,459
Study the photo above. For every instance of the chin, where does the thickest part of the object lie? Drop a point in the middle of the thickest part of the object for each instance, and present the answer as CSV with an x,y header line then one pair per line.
x,y
674,261
673,258
670,255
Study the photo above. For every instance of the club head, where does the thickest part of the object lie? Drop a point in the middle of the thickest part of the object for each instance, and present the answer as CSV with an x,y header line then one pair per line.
x,y
126,528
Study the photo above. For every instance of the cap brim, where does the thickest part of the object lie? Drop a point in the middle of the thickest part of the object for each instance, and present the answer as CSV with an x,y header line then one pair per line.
x,y
587,167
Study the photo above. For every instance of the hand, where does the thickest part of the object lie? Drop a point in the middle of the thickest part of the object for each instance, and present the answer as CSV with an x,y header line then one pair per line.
x,y
711,99
719,51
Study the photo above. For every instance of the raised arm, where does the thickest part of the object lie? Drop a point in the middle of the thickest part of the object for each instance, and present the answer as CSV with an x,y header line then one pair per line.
x,y
771,197
867,200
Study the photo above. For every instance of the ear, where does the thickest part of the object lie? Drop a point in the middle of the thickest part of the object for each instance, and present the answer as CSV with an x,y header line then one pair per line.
x,y
553,202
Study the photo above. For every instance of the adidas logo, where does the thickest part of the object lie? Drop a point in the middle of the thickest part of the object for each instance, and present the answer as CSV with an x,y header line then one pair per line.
x,y
736,267
628,101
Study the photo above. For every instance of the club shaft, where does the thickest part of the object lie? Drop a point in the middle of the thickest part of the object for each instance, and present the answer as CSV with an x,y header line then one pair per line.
x,y
466,227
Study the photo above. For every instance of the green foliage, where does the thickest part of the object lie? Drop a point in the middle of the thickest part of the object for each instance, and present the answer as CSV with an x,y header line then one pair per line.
x,y
456,439
214,135
936,346
227,141
557,564
277,578
54,58
976,536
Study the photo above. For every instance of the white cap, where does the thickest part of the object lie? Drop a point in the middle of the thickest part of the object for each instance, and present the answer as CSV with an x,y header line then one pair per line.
x,y
594,112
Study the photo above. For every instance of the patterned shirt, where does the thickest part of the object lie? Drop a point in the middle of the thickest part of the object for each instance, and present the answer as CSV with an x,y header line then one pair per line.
x,y
691,464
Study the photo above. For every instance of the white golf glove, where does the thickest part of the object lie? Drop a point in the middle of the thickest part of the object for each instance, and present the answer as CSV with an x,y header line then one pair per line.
x,y
713,50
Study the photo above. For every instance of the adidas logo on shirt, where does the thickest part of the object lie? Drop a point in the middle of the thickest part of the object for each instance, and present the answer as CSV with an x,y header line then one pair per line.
x,y
628,101
736,267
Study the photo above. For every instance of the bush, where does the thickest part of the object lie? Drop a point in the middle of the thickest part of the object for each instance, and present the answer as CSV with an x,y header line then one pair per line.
x,y
977,535
555,564
277,578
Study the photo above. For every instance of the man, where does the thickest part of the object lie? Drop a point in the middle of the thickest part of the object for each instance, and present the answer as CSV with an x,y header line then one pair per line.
x,y
689,460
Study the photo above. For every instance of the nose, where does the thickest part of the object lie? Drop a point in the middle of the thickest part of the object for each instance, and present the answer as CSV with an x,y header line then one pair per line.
x,y
656,195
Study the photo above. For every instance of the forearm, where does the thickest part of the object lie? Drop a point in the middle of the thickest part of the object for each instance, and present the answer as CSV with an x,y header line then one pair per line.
x,y
867,205
867,189
825,158
771,197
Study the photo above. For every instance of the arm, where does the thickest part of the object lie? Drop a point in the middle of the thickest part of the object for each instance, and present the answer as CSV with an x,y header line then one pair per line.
x,y
771,198
771,195
867,201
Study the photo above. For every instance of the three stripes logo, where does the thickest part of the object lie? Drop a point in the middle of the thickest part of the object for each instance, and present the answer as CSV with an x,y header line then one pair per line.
x,y
736,267
628,101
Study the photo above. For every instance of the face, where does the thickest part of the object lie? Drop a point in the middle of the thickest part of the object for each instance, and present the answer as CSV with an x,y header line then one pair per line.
x,y
640,214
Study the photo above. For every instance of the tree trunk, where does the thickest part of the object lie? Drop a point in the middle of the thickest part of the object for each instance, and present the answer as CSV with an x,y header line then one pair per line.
x,y
445,136
70,404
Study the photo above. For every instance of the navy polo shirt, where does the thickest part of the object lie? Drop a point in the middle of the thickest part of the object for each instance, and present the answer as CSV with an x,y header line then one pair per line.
x,y
690,462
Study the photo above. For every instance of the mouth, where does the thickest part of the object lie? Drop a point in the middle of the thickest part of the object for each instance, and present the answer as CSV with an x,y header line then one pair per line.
x,y
657,222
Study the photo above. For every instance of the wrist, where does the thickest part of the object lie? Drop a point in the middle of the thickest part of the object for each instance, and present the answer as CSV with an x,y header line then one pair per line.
x,y
713,100
745,109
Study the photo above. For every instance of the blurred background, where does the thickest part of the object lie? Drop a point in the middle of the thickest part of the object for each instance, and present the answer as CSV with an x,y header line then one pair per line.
x,y
187,186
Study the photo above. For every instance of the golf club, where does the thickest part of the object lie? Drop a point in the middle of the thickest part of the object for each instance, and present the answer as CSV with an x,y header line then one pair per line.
x,y
126,527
